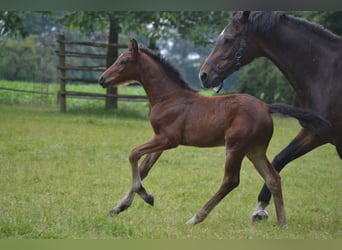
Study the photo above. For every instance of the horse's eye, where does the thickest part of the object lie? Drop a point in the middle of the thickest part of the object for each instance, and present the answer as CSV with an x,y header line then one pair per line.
x,y
228,40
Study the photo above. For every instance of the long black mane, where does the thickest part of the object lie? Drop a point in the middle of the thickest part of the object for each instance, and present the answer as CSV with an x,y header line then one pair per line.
x,y
171,69
265,22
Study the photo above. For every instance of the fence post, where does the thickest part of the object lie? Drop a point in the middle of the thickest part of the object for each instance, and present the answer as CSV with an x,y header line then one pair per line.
x,y
61,63
112,54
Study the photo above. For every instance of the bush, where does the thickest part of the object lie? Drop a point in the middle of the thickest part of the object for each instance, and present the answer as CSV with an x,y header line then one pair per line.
x,y
27,60
263,80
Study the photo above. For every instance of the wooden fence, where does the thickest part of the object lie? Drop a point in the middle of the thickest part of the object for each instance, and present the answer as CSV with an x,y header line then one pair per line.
x,y
64,52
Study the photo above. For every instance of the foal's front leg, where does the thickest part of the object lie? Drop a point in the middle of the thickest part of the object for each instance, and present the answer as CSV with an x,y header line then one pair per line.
x,y
154,149
144,169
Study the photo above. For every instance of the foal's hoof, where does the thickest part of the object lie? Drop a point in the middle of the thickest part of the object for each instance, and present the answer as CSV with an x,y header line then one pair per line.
x,y
259,215
117,210
150,200
113,212
145,196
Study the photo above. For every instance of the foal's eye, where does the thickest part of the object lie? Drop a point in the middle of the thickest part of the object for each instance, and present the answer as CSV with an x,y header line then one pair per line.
x,y
124,61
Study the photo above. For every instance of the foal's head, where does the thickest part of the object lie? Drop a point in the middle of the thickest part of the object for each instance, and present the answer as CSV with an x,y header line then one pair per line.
x,y
123,70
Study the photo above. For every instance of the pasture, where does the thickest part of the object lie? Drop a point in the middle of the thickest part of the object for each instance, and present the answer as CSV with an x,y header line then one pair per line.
x,y
60,174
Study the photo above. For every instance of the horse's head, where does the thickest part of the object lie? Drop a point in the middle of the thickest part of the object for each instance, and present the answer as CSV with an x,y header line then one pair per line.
x,y
229,52
123,70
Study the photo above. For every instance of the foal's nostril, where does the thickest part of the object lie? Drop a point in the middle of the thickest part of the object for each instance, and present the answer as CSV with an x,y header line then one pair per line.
x,y
203,76
102,81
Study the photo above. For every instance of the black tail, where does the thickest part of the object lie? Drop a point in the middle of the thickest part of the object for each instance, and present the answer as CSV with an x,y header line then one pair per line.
x,y
303,115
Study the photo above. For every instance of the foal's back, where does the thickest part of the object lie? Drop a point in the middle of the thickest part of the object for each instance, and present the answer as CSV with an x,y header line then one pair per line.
x,y
232,120
251,124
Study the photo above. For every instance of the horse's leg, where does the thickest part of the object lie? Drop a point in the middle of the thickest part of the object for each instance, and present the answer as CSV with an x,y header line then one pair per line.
x,y
272,180
154,147
144,169
339,146
231,180
302,144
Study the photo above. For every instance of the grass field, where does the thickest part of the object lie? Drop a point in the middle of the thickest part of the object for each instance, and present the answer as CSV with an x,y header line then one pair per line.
x,y
60,174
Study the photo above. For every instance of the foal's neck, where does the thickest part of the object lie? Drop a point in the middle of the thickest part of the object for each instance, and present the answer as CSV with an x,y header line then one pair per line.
x,y
156,82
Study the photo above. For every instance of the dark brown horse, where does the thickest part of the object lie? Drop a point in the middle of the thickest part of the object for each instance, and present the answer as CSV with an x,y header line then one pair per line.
x,y
308,55
180,116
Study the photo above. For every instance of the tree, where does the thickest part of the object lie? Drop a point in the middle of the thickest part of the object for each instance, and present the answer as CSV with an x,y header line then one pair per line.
x,y
89,22
329,19
25,60
264,80
199,27
112,54
11,24
26,49
153,25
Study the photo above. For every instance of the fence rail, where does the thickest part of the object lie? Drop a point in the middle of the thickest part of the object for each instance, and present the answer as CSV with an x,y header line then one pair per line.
x,y
86,55
77,94
82,68
26,91
75,79
93,44
64,53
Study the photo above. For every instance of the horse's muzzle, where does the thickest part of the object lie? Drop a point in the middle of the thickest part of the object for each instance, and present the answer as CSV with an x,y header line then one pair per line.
x,y
209,82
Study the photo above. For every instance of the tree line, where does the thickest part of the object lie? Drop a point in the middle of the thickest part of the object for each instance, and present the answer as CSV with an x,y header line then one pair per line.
x,y
28,43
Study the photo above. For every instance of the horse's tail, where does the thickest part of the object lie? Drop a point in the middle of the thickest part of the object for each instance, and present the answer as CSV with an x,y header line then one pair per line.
x,y
304,115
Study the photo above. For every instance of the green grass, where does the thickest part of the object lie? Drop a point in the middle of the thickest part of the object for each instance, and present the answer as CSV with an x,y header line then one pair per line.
x,y
60,174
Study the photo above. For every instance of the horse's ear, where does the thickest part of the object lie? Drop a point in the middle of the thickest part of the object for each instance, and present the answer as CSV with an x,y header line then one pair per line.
x,y
245,16
133,47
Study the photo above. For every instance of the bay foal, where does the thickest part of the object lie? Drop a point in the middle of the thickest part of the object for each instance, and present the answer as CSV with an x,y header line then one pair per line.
x,y
180,116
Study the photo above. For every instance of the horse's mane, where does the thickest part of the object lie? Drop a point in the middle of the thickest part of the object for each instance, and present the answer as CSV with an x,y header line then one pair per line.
x,y
171,68
265,22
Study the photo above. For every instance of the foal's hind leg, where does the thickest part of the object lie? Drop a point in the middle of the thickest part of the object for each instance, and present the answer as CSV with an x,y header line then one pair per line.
x,y
230,181
303,143
272,180
144,169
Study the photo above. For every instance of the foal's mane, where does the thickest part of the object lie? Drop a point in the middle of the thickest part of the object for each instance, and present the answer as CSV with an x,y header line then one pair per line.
x,y
171,69
265,22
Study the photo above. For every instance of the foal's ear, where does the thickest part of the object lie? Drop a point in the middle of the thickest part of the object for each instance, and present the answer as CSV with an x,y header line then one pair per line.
x,y
133,47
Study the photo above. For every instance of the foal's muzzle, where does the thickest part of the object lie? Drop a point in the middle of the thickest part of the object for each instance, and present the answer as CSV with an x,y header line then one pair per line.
x,y
104,82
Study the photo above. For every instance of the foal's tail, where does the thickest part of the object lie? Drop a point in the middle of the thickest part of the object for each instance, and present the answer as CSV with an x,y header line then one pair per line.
x,y
304,115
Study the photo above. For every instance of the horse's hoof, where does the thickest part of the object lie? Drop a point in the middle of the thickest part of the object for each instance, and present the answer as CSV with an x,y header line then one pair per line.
x,y
192,221
259,215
